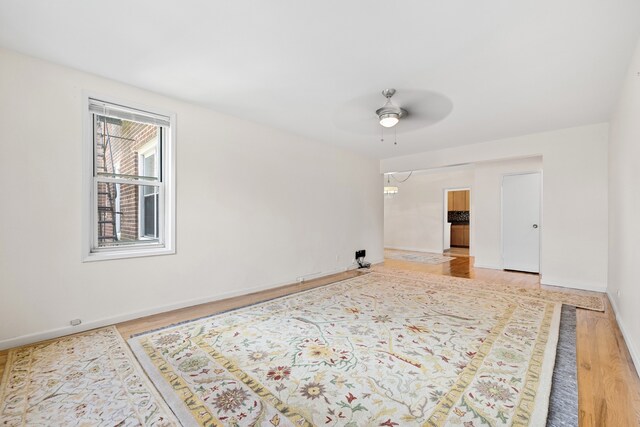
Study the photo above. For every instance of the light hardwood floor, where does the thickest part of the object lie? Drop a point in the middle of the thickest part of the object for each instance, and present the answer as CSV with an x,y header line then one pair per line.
x,y
608,386
455,251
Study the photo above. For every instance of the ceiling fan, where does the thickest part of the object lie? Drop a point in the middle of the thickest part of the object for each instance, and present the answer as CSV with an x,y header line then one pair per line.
x,y
390,114
410,109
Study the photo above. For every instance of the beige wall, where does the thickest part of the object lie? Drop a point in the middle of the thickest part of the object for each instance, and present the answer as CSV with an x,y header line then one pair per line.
x,y
256,208
487,207
624,209
414,218
574,202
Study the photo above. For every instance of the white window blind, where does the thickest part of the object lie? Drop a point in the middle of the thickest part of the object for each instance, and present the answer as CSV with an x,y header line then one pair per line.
x,y
121,112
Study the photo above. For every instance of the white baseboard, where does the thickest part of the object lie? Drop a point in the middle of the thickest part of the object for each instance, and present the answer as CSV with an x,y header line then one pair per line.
x,y
99,323
633,347
490,266
413,249
563,283
567,283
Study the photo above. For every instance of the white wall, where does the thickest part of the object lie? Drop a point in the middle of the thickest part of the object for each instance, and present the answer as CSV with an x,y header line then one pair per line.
x,y
256,208
575,215
487,207
624,208
414,218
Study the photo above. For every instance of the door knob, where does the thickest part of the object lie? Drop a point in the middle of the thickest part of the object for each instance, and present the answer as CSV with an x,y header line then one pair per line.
x,y
535,225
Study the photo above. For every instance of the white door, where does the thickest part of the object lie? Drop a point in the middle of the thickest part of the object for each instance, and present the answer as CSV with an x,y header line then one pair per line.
x,y
521,222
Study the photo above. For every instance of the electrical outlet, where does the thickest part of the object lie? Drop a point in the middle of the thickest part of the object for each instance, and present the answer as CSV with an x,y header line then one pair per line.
x,y
75,322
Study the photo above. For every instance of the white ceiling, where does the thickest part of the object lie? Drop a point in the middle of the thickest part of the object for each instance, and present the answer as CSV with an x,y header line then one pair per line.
x,y
508,67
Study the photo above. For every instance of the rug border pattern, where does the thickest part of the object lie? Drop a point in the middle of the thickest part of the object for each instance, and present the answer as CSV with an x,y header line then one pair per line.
x,y
540,371
441,412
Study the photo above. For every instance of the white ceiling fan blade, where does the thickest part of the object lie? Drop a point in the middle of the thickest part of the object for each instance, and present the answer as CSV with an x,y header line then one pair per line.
x,y
424,108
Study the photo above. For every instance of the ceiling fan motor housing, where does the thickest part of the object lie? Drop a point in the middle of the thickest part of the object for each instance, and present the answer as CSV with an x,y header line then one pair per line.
x,y
390,110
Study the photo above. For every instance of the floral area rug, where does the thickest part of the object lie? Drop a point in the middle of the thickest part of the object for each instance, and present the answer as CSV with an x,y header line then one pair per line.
x,y
584,299
89,379
374,350
423,257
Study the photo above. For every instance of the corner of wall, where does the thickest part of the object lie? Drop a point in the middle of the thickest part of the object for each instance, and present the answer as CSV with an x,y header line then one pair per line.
x,y
632,345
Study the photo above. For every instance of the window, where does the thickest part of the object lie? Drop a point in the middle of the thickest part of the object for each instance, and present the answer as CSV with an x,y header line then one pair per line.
x,y
148,217
129,177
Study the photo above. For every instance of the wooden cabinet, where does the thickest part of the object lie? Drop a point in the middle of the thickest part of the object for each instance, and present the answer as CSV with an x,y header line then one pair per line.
x,y
456,235
460,235
465,236
458,200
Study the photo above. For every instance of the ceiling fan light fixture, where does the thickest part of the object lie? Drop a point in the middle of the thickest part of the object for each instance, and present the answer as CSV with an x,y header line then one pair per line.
x,y
390,190
390,114
389,120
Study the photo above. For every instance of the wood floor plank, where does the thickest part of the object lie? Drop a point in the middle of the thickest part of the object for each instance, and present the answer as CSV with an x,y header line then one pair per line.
x,y
609,387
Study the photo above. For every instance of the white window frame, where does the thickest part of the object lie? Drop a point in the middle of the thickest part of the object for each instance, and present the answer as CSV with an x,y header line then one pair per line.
x,y
118,222
167,235
149,148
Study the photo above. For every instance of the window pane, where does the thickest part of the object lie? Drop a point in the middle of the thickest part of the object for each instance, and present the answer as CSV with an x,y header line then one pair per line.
x,y
127,214
119,144
149,165
150,215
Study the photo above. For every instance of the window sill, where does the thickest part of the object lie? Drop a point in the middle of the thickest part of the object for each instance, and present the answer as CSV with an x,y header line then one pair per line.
x,y
127,253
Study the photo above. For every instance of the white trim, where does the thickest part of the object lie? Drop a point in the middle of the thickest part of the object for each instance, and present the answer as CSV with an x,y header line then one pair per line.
x,y
168,187
373,262
129,181
634,349
413,249
570,283
123,253
106,321
489,266
87,179
445,217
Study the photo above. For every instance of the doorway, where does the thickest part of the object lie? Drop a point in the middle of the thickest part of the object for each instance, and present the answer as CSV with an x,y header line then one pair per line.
x,y
521,204
457,224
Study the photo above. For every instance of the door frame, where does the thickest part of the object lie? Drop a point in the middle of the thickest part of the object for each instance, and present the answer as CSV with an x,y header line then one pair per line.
x,y
445,213
540,222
